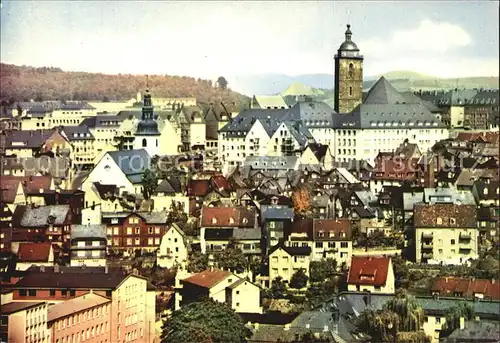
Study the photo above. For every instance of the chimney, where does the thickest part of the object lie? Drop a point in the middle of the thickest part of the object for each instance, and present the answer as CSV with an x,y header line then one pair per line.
x,y
42,269
462,323
287,327
106,269
325,328
492,281
56,268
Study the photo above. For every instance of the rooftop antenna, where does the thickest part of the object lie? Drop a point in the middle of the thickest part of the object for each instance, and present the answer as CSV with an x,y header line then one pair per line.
x,y
147,82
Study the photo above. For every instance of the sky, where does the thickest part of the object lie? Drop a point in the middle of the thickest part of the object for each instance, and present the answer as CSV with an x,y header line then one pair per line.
x,y
209,38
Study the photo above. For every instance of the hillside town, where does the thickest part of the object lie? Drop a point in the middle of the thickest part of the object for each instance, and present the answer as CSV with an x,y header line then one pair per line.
x,y
372,219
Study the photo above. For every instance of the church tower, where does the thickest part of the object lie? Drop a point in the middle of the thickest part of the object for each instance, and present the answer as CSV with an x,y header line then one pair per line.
x,y
348,75
147,135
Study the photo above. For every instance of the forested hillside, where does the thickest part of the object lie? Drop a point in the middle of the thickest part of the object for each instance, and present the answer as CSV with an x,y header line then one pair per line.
x,y
26,83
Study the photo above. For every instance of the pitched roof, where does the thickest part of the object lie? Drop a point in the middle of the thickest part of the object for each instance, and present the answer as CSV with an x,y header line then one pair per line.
x,y
332,229
8,188
22,139
88,231
465,287
14,307
75,305
34,252
368,270
74,133
227,217
451,215
72,277
31,184
383,93
208,278
198,188
131,162
44,215
292,251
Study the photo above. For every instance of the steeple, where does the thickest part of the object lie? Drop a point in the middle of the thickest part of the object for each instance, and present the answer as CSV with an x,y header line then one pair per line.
x,y
348,33
148,125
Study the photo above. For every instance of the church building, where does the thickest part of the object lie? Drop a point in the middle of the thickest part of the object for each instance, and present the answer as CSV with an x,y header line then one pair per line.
x,y
147,136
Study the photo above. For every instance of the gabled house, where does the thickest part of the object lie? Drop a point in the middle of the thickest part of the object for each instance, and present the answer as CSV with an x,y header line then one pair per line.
x,y
238,293
173,250
39,254
123,169
284,261
371,274
220,226
130,231
486,192
466,288
41,224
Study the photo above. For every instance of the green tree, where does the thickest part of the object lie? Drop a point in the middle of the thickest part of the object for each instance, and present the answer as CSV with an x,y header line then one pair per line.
x,y
408,309
231,258
401,272
197,262
149,183
323,269
176,214
207,321
278,288
453,315
299,279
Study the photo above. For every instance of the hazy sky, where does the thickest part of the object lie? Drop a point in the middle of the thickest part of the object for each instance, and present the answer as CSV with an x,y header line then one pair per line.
x,y
208,38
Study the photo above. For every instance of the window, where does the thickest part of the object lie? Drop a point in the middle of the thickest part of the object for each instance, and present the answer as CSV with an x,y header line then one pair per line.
x,y
52,292
32,292
350,90
452,221
319,244
137,231
344,244
439,221
64,292
129,231
452,241
144,143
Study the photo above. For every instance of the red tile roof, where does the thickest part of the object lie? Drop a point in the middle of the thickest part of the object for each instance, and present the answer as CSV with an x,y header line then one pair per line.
x,y
463,287
9,187
219,182
207,278
490,137
31,184
450,215
332,229
227,217
198,188
368,270
395,168
34,252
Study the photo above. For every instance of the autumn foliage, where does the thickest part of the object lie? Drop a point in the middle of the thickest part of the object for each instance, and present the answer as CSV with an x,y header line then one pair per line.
x,y
301,199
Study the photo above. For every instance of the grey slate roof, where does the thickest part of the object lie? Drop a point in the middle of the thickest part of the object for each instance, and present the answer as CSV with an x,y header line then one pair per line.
x,y
88,231
383,93
154,217
436,195
81,132
276,212
102,121
247,233
39,216
271,162
29,138
131,162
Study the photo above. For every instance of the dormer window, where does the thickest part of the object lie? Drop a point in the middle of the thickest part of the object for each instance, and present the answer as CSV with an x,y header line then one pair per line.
x,y
231,220
485,191
453,221
245,221
439,221
214,220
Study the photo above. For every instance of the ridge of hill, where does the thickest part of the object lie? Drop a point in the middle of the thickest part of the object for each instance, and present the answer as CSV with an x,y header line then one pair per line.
x,y
24,83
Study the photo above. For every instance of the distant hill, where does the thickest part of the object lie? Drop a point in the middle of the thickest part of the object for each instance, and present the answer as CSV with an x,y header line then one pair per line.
x,y
270,84
26,83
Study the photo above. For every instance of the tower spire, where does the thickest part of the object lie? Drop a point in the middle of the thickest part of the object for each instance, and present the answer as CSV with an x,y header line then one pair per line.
x,y
348,33
147,83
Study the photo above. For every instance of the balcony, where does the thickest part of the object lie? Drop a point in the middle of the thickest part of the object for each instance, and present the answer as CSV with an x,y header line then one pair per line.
x,y
426,235
427,246
427,256
465,236
464,250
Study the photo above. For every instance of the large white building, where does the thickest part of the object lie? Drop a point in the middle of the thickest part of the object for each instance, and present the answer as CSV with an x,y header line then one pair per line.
x,y
362,128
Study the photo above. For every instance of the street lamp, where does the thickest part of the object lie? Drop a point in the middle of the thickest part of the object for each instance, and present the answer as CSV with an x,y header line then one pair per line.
x,y
393,332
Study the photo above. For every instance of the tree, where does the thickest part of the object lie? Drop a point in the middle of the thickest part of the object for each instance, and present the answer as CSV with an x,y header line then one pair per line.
x,y
301,201
176,214
197,262
231,258
277,290
408,310
453,315
222,82
401,272
322,270
207,321
308,337
149,183
401,314
299,279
